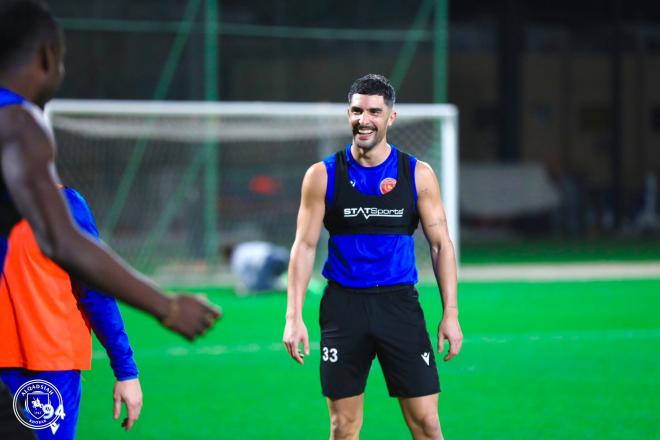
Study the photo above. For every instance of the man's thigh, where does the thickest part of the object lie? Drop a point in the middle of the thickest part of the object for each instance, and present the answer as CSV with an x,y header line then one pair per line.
x,y
403,346
419,407
347,412
347,349
421,415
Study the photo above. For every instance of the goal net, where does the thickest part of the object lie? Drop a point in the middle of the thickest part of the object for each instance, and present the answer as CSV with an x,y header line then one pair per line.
x,y
172,183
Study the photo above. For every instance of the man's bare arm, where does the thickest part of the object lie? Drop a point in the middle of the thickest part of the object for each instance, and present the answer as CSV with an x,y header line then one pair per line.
x,y
434,223
303,252
308,230
29,172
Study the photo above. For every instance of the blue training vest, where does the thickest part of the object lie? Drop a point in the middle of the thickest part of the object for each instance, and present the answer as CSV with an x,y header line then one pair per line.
x,y
369,260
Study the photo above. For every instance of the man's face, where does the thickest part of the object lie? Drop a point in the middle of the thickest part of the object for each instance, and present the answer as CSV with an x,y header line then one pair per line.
x,y
369,117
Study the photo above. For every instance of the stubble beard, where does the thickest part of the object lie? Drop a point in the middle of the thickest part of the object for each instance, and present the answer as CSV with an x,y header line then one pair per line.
x,y
367,145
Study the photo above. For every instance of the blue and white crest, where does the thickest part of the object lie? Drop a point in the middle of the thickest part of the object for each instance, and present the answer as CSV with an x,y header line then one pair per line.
x,y
35,402
38,405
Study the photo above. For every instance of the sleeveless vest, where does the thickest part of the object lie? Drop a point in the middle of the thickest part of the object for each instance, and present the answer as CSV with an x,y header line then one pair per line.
x,y
352,212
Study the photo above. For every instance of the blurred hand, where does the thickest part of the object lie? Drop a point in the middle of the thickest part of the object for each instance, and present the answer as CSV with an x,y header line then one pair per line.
x,y
295,333
191,315
450,329
129,392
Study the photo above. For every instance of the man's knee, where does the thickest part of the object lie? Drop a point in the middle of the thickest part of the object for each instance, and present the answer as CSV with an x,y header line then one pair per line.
x,y
430,425
345,426
425,426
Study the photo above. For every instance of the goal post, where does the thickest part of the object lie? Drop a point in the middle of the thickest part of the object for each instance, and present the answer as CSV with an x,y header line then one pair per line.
x,y
171,182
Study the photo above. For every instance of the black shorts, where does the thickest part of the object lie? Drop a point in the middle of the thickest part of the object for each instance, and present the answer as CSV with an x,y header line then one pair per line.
x,y
388,322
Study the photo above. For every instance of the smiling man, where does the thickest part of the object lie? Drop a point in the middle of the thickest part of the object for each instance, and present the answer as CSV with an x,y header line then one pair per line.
x,y
371,196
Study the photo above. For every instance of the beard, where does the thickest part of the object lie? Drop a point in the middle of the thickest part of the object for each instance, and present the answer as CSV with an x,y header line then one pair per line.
x,y
367,144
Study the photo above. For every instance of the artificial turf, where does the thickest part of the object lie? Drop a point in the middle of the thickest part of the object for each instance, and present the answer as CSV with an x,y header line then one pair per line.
x,y
569,360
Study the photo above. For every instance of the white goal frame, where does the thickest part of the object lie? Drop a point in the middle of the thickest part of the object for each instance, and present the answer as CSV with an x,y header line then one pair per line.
x,y
447,114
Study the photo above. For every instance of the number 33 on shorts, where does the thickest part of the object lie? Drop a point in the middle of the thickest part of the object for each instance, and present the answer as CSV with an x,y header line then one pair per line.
x,y
330,354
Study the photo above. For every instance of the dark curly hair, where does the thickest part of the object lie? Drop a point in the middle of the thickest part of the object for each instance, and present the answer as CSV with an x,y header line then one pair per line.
x,y
373,84
24,25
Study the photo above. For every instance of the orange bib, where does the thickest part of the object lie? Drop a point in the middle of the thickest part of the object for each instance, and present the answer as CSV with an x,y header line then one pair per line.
x,y
41,325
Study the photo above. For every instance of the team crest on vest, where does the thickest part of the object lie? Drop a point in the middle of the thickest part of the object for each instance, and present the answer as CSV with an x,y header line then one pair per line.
x,y
387,185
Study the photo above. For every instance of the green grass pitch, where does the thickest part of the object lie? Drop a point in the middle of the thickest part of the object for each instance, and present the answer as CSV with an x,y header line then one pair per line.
x,y
570,360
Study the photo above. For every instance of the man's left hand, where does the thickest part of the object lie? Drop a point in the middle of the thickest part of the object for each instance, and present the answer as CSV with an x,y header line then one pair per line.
x,y
129,392
450,329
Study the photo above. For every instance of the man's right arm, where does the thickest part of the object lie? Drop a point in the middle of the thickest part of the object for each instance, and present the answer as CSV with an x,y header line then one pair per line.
x,y
303,252
28,169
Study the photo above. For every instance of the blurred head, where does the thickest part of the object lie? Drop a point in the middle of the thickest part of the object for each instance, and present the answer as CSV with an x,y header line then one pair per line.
x,y
370,110
227,250
32,46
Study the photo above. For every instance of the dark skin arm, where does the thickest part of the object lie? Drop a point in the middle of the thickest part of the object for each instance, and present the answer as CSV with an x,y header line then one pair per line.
x,y
28,168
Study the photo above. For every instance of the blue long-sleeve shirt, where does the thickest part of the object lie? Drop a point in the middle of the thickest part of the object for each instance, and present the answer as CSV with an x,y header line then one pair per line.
x,y
101,310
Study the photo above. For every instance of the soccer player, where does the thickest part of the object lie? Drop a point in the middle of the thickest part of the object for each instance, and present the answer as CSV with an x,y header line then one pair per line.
x,y
371,196
45,320
31,54
31,69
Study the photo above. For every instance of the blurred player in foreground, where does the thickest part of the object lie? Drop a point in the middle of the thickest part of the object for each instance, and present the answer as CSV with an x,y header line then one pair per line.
x,y
371,196
45,320
31,69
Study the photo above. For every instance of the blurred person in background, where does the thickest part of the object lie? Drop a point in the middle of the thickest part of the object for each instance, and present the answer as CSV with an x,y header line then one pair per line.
x,y
257,266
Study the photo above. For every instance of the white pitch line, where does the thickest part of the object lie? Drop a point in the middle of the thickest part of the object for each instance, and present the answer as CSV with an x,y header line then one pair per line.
x,y
488,339
561,271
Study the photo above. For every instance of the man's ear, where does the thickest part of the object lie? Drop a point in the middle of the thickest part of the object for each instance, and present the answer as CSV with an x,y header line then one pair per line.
x,y
43,58
391,119
47,57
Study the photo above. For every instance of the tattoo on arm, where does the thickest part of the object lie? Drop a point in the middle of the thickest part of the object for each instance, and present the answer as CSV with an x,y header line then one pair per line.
x,y
436,222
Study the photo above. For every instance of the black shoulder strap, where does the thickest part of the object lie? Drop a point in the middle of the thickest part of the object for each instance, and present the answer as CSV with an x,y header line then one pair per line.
x,y
341,164
341,173
404,171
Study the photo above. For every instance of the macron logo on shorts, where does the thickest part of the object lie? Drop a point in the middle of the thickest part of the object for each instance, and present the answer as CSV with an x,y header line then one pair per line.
x,y
427,358
372,212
